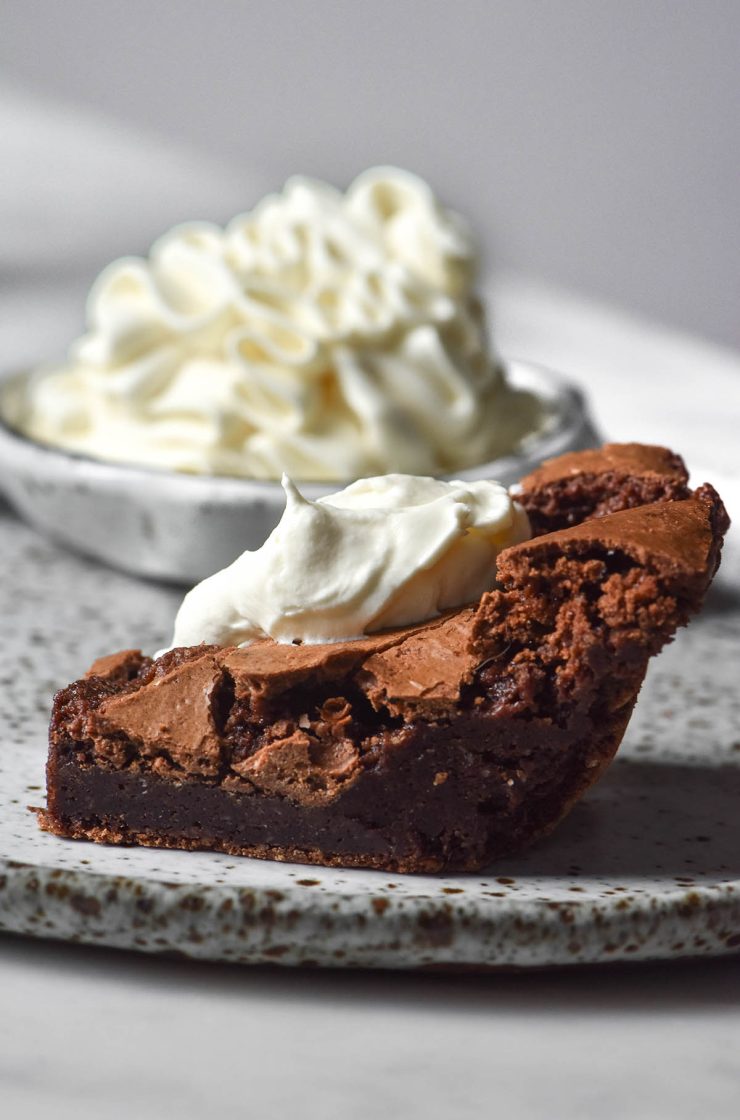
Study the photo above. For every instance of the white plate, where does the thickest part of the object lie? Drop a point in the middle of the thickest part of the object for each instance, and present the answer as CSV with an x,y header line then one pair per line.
x,y
647,866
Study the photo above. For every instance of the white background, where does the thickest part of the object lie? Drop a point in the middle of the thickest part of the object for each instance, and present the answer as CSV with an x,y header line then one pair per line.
x,y
595,143
596,147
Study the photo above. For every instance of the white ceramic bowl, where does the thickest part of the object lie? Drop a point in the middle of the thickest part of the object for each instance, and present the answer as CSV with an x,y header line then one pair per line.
x,y
183,527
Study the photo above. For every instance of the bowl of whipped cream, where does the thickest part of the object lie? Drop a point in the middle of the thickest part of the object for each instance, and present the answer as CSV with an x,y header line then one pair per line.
x,y
325,335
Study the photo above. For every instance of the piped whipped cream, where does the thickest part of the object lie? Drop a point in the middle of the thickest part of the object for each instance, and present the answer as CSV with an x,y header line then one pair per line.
x,y
326,334
384,552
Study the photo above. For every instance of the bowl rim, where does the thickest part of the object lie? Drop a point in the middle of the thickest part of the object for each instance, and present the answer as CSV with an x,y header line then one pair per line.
x,y
565,402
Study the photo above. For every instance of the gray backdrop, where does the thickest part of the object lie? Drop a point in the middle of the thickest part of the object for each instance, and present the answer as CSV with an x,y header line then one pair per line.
x,y
594,142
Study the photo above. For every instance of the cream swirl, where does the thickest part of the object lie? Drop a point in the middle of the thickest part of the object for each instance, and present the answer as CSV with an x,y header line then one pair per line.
x,y
384,552
324,334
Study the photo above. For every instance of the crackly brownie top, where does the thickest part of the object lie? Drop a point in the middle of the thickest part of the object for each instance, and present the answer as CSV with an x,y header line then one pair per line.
x,y
677,538
640,460
581,485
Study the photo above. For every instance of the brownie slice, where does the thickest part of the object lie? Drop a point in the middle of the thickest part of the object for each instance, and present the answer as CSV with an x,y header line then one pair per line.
x,y
436,746
583,484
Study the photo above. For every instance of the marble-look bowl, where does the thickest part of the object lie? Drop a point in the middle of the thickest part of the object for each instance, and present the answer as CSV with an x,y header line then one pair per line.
x,y
183,527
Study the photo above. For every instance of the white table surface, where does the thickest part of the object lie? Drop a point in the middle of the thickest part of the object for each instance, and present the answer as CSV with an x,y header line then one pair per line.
x,y
112,1035
97,1033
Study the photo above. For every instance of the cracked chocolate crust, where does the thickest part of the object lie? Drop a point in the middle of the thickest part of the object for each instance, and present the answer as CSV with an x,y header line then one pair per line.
x,y
585,484
438,746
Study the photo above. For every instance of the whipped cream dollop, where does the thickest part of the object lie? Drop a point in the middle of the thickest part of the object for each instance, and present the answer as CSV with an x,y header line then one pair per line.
x,y
383,552
326,334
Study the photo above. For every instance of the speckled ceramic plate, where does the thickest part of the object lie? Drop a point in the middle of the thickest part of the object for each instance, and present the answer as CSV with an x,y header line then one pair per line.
x,y
647,865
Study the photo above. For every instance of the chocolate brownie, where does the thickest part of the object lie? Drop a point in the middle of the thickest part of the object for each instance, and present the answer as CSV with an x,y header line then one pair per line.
x,y
584,484
437,746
